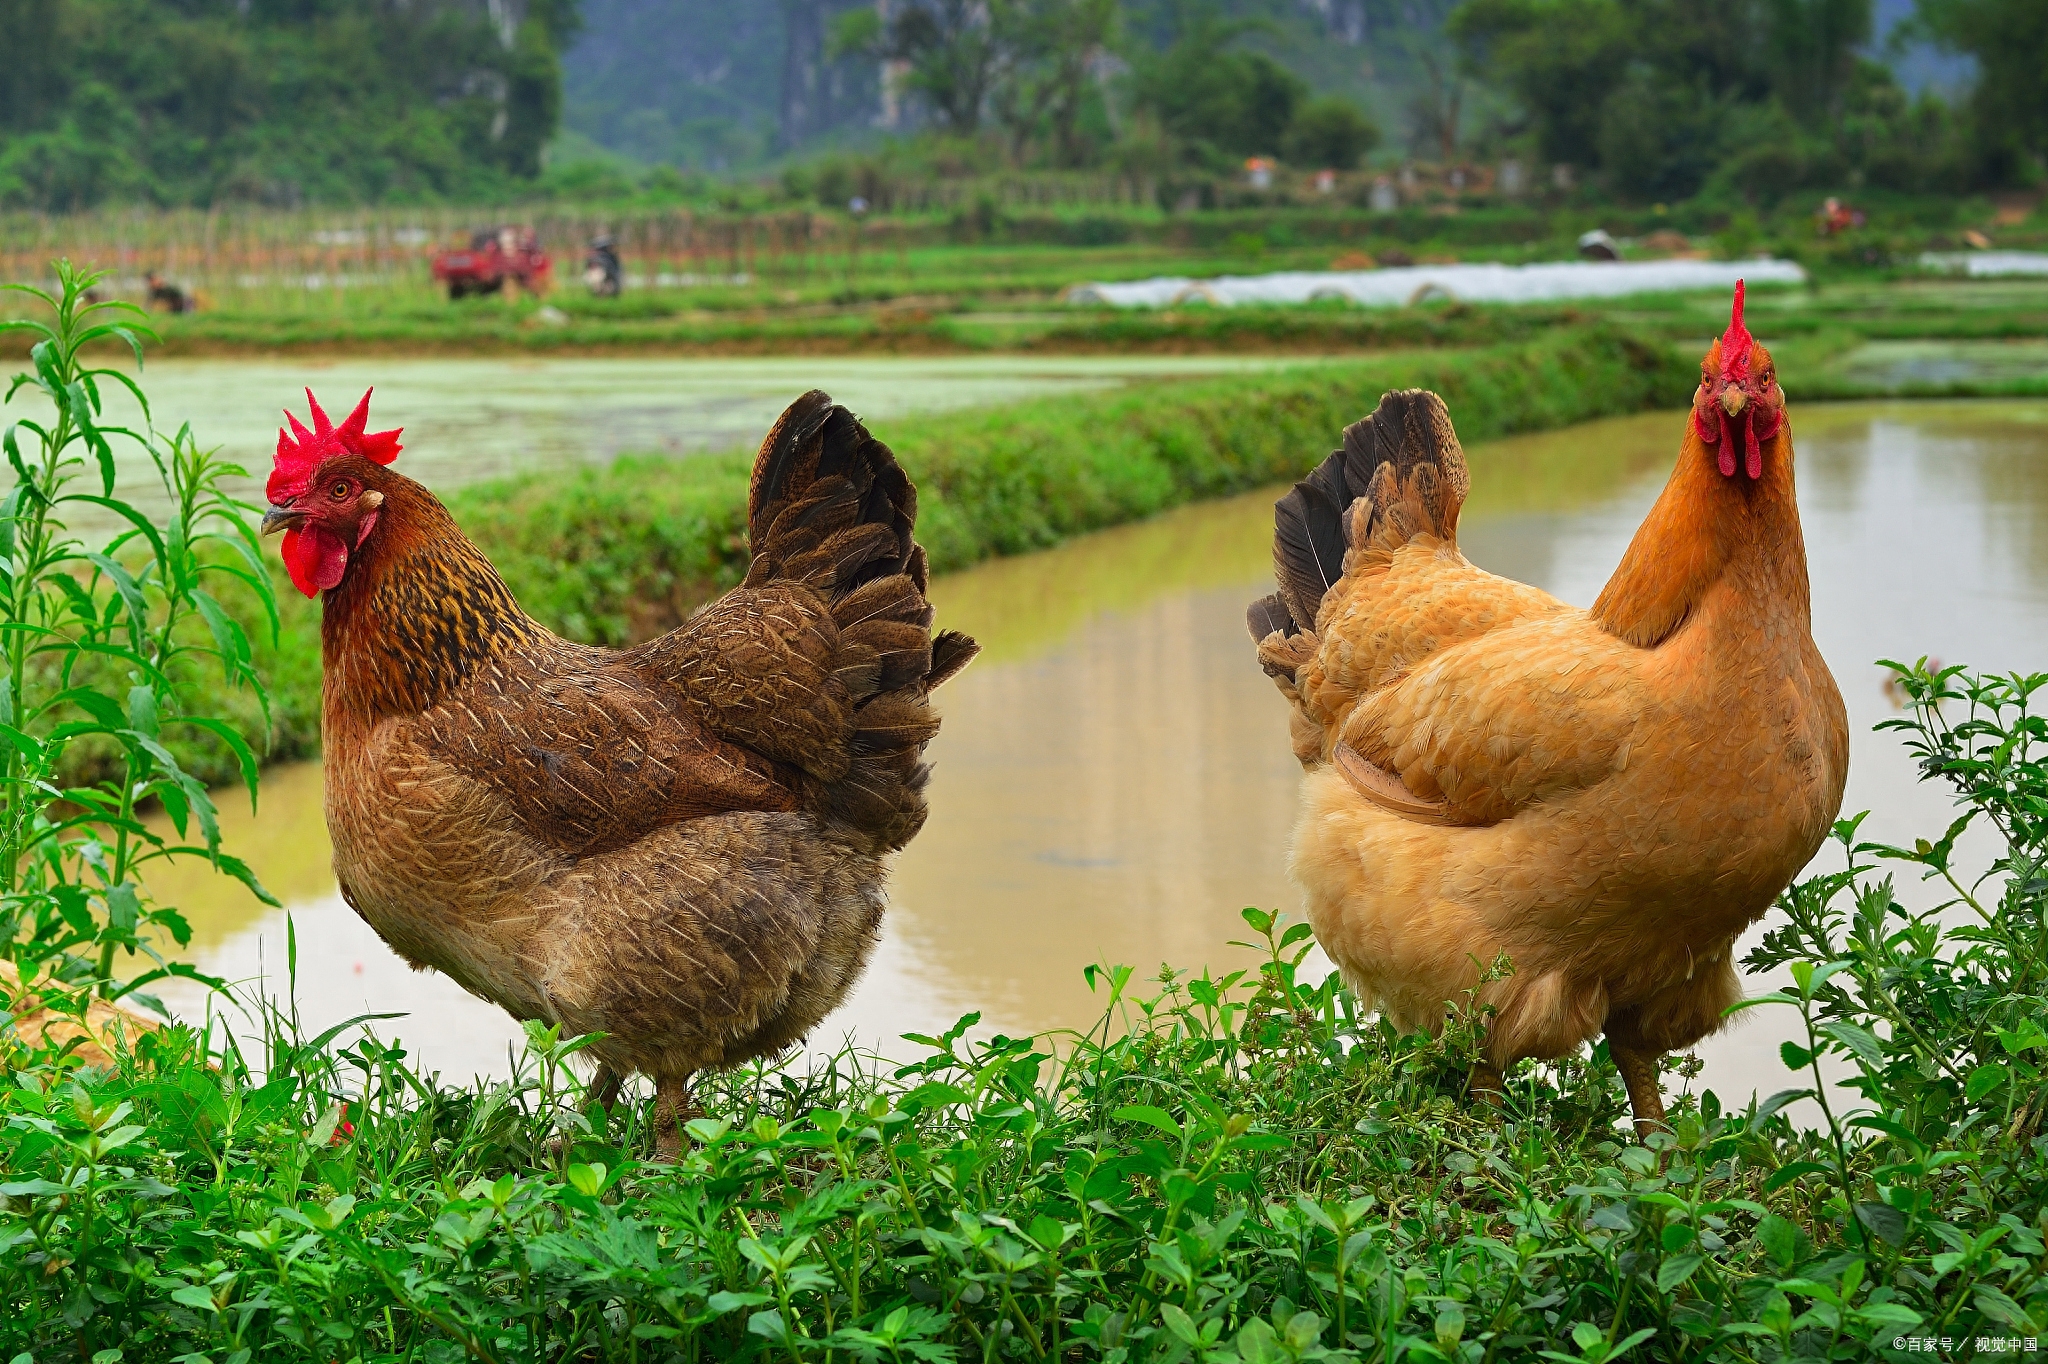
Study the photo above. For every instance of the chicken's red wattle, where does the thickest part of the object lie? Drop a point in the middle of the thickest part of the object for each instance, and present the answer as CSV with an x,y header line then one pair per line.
x,y
315,557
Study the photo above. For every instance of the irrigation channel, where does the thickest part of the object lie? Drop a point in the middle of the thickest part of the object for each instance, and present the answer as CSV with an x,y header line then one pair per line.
x,y
1113,781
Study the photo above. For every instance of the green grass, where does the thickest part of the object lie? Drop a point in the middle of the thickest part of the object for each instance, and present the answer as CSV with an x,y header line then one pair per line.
x,y
1232,1167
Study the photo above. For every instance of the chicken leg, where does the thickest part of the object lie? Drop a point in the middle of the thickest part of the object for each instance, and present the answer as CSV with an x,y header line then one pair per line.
x,y
604,1087
1638,1067
672,1108
1486,1085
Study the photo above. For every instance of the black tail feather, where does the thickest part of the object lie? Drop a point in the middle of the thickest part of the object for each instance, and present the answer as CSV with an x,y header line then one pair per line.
x,y
1308,544
1310,524
788,456
1267,615
830,507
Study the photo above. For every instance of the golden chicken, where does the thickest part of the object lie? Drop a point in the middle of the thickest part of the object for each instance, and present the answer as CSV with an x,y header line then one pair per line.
x,y
1607,797
679,845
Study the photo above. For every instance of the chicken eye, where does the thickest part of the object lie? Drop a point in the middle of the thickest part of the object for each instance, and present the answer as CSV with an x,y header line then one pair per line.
x,y
339,491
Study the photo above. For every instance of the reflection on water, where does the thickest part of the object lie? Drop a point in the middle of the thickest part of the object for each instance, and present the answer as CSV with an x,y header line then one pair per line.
x,y
1114,782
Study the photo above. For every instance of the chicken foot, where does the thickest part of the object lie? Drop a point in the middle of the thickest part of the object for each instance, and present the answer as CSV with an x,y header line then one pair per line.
x,y
673,1107
1638,1067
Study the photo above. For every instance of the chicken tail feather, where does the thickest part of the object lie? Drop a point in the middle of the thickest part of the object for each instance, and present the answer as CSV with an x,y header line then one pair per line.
x,y
831,508
1405,461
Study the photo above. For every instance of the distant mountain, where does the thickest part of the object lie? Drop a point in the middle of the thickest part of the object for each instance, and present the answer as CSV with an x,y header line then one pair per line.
x,y
1920,66
710,85
202,102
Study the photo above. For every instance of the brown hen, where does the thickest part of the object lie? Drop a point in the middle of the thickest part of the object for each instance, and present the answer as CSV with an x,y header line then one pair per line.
x,y
1607,797
679,845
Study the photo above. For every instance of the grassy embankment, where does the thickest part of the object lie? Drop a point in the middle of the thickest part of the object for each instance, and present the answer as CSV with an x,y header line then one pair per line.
x,y
619,554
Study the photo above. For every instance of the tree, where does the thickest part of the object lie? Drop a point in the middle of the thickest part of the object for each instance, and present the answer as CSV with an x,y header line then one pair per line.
x,y
31,78
1046,49
1329,131
1559,59
1217,97
950,49
1812,53
1434,109
203,101
533,98
1656,94
2009,106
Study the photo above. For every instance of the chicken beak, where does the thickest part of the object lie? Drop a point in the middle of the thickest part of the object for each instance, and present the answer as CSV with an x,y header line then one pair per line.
x,y
1733,400
280,518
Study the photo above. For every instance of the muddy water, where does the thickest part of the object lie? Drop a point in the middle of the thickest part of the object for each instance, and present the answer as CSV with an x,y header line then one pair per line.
x,y
1113,782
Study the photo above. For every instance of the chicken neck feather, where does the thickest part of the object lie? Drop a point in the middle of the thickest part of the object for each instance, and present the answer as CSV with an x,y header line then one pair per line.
x,y
1707,529
419,612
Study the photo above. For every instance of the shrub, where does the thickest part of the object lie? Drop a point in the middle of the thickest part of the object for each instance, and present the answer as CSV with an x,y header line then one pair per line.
x,y
1330,132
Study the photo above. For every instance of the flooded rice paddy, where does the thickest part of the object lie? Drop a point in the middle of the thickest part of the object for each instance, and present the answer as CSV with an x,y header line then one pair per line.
x,y
472,419
1114,782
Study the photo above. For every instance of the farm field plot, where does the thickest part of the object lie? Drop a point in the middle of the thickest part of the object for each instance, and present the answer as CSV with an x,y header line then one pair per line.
x,y
472,419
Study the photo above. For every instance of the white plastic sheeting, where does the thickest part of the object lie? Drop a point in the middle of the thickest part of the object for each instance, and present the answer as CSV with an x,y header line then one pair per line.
x,y
1984,264
1477,283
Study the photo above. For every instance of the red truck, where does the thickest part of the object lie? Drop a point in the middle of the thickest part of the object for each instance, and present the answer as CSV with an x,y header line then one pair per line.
x,y
490,261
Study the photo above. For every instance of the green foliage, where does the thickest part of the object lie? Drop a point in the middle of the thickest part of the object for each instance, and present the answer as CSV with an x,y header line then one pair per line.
x,y
1234,1168
1811,54
1557,58
1750,101
1219,99
1329,131
1957,990
950,50
1024,62
1047,87
2009,103
104,650
210,101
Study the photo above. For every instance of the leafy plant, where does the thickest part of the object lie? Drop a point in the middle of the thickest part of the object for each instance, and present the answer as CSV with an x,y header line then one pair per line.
x,y
100,649
1228,1169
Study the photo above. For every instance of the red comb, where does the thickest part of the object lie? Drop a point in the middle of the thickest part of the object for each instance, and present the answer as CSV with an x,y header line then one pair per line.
x,y
300,452
1736,342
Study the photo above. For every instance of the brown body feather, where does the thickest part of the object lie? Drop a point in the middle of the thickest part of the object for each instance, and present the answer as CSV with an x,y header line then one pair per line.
x,y
1609,797
679,845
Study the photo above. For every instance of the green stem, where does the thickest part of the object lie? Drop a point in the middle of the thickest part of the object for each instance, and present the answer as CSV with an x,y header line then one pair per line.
x,y
1820,1094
